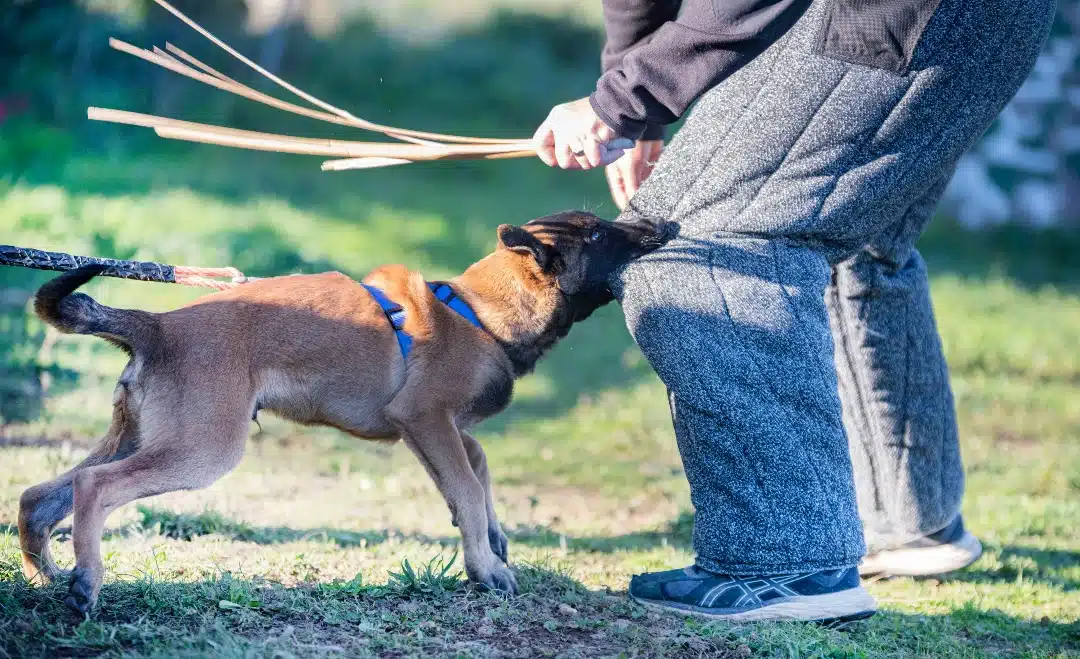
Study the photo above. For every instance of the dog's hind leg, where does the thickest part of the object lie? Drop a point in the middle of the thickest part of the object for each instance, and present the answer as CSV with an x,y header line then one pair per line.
x,y
43,506
187,462
478,460
440,448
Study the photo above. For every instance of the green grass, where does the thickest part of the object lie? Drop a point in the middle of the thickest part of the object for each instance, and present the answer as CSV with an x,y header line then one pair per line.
x,y
322,545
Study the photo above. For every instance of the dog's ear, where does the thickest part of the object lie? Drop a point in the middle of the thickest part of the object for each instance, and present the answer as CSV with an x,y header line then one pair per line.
x,y
519,240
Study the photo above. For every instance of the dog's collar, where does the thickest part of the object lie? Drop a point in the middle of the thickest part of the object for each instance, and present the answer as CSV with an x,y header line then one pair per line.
x,y
395,313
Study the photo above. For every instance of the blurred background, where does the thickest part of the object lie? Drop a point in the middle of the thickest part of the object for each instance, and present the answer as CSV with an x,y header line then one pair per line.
x,y
483,67
587,477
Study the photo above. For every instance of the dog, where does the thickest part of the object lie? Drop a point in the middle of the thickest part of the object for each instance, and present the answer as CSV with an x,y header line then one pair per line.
x,y
391,357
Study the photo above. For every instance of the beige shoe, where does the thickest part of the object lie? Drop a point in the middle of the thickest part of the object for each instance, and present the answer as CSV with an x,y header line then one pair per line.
x,y
951,548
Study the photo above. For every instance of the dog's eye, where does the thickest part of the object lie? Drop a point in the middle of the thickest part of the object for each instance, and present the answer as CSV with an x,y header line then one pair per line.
x,y
595,236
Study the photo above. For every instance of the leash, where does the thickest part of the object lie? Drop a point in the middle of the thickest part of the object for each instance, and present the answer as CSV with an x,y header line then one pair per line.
x,y
24,257
141,270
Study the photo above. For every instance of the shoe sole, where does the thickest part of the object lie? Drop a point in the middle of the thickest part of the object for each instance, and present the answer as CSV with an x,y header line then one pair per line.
x,y
925,561
833,609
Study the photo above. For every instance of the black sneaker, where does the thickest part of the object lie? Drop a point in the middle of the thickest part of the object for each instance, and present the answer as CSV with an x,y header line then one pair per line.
x,y
949,549
826,596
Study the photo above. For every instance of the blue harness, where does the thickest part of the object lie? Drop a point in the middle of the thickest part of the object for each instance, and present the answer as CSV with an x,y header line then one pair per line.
x,y
396,314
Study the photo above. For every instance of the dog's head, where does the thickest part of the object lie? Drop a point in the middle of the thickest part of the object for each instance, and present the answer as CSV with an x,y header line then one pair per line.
x,y
577,252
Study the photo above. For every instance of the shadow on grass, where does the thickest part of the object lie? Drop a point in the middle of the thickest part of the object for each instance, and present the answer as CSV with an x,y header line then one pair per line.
x,y
1014,564
186,527
417,606
436,614
1011,563
183,526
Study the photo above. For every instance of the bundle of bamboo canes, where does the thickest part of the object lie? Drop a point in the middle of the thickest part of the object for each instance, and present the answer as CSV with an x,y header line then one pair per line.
x,y
416,146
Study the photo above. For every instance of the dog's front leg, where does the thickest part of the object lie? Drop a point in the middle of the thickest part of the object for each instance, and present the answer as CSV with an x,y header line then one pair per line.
x,y
441,449
496,537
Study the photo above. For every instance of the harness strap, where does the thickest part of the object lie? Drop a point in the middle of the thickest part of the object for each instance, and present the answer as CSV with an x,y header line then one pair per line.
x,y
395,313
445,294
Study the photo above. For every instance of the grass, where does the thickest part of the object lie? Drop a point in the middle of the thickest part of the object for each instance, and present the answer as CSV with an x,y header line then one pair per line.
x,y
319,545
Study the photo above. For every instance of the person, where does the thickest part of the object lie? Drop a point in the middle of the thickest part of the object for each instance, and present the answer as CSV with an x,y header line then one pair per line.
x,y
790,317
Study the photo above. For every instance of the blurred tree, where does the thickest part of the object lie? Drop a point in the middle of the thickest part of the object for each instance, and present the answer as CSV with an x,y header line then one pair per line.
x,y
223,17
35,35
56,61
1028,166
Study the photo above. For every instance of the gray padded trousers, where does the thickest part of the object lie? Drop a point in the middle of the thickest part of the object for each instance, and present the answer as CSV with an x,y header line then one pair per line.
x,y
790,319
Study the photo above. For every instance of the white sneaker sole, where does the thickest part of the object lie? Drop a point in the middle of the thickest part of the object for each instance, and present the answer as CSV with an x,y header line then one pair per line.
x,y
851,604
925,561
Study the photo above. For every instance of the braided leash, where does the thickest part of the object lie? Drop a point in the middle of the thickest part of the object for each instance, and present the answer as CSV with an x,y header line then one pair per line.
x,y
191,276
141,270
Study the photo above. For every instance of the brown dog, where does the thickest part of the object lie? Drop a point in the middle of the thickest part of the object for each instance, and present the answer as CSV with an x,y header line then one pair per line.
x,y
324,349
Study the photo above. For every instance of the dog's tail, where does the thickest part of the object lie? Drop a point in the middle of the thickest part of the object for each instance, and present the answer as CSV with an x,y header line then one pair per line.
x,y
76,313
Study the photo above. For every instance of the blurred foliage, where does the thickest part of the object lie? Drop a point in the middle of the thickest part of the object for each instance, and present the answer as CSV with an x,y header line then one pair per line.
x,y
498,76
73,185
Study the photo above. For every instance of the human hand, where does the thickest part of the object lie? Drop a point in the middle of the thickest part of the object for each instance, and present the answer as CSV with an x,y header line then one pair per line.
x,y
626,174
573,137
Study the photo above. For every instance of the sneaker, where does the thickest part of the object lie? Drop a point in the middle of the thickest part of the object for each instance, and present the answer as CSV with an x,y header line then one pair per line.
x,y
949,549
827,596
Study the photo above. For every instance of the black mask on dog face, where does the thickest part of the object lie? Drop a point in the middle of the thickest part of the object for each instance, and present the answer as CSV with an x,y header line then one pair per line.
x,y
582,251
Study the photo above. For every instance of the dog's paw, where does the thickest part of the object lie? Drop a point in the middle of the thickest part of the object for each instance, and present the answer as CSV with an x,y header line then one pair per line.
x,y
81,593
500,580
497,540
44,576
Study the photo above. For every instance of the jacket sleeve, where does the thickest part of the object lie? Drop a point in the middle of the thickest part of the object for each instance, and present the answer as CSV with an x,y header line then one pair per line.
x,y
655,79
631,23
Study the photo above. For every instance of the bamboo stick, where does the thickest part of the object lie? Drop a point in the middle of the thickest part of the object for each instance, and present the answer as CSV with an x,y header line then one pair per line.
x,y
256,95
235,88
346,154
161,53
399,133
315,146
362,163
307,146
194,62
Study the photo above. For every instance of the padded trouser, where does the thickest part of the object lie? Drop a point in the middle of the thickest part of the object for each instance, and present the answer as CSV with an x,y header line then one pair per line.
x,y
894,390
810,172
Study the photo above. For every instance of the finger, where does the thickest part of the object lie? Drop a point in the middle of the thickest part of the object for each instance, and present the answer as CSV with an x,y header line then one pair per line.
x,y
648,161
544,139
656,149
604,133
564,157
615,183
612,176
638,170
578,151
547,155
564,152
631,182
544,134
581,157
593,152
